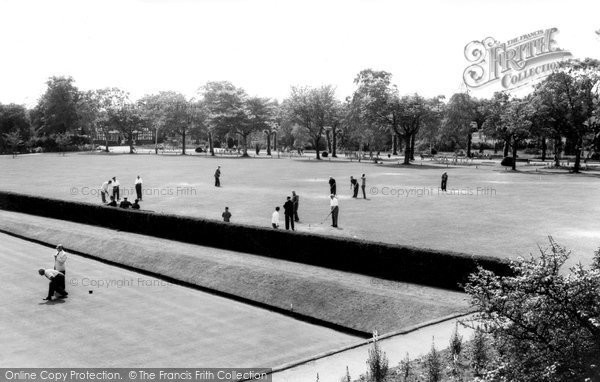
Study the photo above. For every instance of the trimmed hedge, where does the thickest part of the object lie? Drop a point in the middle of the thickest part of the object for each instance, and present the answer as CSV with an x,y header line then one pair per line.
x,y
402,263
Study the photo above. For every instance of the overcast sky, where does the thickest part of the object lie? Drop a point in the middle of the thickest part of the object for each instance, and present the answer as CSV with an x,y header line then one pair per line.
x,y
144,46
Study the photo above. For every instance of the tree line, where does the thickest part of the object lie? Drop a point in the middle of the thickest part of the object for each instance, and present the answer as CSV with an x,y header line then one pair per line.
x,y
560,115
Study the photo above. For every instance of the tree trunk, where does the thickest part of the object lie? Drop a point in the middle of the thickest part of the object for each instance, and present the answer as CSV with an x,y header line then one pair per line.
x,y
506,146
210,144
317,140
557,144
130,144
268,143
244,145
328,137
544,149
469,142
514,154
495,146
334,143
183,142
106,137
578,155
407,149
412,147
394,144
275,140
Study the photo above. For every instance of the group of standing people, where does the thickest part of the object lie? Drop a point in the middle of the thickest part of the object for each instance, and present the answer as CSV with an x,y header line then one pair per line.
x,y
334,203
111,189
290,212
57,274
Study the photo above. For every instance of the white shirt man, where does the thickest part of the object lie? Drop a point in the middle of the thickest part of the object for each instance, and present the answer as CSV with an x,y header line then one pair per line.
x,y
333,203
104,191
60,258
275,218
138,188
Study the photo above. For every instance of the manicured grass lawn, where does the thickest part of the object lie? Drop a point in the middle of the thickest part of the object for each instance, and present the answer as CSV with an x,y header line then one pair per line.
x,y
510,214
133,320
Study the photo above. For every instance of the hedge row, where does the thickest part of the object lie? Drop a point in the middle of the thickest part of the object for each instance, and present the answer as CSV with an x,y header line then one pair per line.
x,y
401,263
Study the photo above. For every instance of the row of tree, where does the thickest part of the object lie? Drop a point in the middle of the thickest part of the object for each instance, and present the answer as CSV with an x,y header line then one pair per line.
x,y
560,113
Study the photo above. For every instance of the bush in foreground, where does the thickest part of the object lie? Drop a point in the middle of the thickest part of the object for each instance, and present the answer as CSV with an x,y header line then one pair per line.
x,y
545,324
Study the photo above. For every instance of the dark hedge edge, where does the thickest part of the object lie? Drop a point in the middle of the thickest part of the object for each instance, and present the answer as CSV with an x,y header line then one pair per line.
x,y
444,269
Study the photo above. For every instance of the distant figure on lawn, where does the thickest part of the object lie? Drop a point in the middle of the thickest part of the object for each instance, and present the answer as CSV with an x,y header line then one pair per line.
x,y
275,218
288,212
363,179
218,177
226,215
104,190
296,201
334,210
332,186
354,186
138,188
60,259
56,280
444,181
135,205
125,203
113,202
116,190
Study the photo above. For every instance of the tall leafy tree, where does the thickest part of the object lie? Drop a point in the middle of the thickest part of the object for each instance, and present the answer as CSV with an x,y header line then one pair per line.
x,y
313,109
460,112
56,111
14,119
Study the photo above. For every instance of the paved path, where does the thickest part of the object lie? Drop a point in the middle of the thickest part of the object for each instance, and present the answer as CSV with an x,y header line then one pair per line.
x,y
137,321
333,368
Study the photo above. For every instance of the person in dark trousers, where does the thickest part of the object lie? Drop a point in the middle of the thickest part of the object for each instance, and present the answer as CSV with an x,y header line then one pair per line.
x,y
116,189
363,180
218,177
226,215
135,205
444,181
296,201
125,203
332,186
56,280
113,202
335,210
288,212
354,186
138,188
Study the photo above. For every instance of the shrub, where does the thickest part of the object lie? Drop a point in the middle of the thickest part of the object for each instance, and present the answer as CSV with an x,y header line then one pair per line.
x,y
456,345
507,162
377,363
433,365
199,150
479,354
545,322
434,151
324,154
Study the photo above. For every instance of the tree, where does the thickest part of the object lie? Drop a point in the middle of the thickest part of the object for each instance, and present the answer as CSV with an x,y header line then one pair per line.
x,y
13,140
57,109
573,93
460,112
313,109
62,140
127,119
14,119
545,321
227,112
493,125
261,117
516,122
